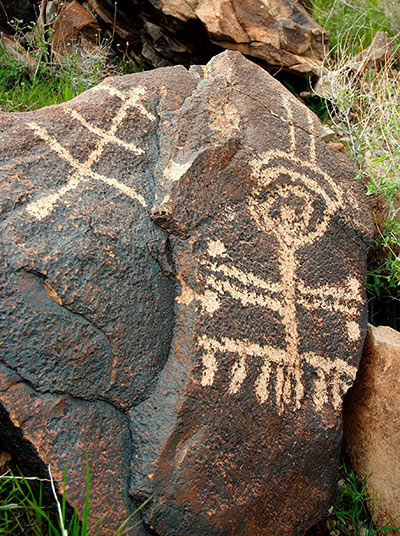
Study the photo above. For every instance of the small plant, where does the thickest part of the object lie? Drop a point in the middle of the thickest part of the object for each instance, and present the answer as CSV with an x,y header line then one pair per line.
x,y
364,112
350,515
24,511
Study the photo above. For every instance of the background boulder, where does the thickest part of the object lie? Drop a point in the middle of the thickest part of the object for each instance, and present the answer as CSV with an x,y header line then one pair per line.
x,y
278,34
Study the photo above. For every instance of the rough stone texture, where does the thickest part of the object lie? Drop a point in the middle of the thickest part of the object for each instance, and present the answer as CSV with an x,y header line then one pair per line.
x,y
182,296
276,33
372,423
75,30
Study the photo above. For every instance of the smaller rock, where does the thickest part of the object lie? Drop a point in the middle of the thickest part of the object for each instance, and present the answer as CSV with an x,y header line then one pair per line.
x,y
372,424
278,34
5,458
16,51
52,10
326,134
337,147
75,30
378,53
109,17
306,96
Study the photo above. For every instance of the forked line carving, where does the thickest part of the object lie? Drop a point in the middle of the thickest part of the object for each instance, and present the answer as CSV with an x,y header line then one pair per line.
x,y
82,171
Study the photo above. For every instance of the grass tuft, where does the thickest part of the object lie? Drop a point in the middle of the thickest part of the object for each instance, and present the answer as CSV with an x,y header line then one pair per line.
x,y
24,510
350,515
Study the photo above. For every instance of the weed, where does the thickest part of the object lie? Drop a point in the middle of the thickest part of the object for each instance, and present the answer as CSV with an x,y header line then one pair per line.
x,y
350,515
24,511
364,111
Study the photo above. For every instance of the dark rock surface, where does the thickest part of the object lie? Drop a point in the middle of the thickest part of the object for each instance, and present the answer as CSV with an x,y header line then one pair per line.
x,y
182,297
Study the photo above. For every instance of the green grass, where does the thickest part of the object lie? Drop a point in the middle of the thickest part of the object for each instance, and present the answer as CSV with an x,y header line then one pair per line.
x,y
25,509
350,515
356,21
22,89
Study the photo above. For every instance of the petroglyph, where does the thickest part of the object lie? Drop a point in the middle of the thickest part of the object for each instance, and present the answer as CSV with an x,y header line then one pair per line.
x,y
333,377
222,279
313,156
235,281
283,368
224,118
289,119
103,133
82,171
293,201
332,298
133,97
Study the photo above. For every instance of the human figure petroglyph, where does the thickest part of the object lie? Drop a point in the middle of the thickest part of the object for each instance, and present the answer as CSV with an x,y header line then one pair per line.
x,y
294,201
82,171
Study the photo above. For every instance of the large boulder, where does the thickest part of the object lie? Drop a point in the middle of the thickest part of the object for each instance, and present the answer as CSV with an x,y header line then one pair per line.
x,y
372,424
182,274
279,33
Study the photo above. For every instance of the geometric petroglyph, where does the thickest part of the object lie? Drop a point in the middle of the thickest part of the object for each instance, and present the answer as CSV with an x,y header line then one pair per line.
x,y
82,171
225,278
293,202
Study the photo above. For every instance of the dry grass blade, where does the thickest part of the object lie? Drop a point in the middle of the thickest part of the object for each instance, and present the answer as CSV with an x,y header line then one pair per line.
x,y
59,511
365,113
